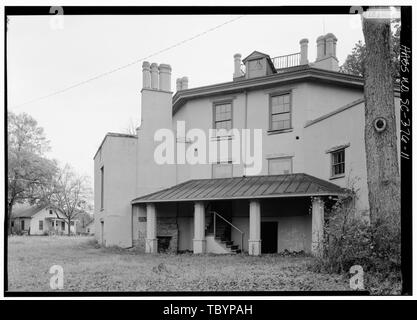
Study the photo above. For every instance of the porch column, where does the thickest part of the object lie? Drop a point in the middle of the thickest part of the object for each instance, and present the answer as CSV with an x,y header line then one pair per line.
x,y
255,228
317,225
199,241
151,240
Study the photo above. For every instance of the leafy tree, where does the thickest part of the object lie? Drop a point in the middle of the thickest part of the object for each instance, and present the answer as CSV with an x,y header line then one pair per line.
x,y
29,172
354,63
70,196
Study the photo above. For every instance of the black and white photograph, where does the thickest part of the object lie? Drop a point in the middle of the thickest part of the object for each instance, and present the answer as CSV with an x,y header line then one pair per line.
x,y
207,151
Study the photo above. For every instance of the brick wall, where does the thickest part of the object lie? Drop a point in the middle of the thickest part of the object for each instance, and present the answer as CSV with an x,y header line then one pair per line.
x,y
164,227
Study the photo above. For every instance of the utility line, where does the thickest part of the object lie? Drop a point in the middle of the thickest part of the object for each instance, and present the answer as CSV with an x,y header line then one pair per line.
x,y
104,74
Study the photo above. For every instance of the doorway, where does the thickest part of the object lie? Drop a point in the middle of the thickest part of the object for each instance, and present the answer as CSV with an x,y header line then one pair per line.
x,y
269,236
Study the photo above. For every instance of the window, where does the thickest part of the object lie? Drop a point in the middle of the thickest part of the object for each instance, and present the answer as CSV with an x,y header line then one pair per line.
x,y
280,166
72,223
223,170
223,116
338,163
50,211
62,225
40,225
12,223
22,224
280,112
102,188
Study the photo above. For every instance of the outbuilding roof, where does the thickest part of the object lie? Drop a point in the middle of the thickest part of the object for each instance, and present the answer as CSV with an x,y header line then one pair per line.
x,y
252,187
26,211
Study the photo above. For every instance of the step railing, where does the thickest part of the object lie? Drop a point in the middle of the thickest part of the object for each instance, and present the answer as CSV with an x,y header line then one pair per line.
x,y
215,214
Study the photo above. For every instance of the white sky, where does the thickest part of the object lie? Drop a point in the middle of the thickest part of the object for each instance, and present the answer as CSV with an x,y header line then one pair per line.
x,y
42,60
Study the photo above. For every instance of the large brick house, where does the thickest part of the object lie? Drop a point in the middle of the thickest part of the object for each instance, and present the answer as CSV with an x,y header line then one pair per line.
x,y
311,118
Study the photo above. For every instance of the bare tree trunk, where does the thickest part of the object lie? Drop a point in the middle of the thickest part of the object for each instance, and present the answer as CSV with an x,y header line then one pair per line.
x,y
9,218
380,142
69,226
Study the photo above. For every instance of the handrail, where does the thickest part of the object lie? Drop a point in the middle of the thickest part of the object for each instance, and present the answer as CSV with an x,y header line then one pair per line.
x,y
231,224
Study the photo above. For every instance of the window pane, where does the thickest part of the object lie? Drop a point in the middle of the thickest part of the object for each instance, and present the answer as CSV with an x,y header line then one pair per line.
x,y
222,170
277,125
224,125
280,166
280,117
279,108
338,162
287,98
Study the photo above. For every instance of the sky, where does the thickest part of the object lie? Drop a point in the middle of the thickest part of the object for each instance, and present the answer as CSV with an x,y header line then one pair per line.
x,y
44,58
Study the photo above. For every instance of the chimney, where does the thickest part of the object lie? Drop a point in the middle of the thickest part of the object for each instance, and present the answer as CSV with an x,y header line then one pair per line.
x,y
326,53
184,83
238,62
179,84
154,76
320,47
330,44
146,75
304,51
165,77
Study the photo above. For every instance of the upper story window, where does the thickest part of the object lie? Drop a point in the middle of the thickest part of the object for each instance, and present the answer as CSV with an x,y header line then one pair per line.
x,y
337,163
280,112
223,170
279,166
40,225
50,211
223,116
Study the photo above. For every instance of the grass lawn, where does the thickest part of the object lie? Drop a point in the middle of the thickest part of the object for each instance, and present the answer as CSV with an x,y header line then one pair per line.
x,y
88,267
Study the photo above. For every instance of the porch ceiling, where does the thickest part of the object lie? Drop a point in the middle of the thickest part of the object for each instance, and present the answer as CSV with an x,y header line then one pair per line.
x,y
252,187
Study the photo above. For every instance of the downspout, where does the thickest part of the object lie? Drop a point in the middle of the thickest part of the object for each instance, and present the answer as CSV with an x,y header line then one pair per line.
x,y
245,127
131,225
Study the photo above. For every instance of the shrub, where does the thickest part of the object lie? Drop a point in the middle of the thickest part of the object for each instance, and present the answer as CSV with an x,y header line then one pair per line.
x,y
352,240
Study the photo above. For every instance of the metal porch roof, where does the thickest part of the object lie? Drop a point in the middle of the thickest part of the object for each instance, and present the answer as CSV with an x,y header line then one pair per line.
x,y
252,187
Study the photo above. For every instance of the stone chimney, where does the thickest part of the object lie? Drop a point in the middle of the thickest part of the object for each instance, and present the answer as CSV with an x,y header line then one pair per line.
x,y
326,53
146,75
182,83
304,51
154,76
164,77
238,61
320,48
156,114
179,84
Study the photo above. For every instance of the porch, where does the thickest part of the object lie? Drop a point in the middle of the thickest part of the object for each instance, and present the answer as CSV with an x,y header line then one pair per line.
x,y
257,214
